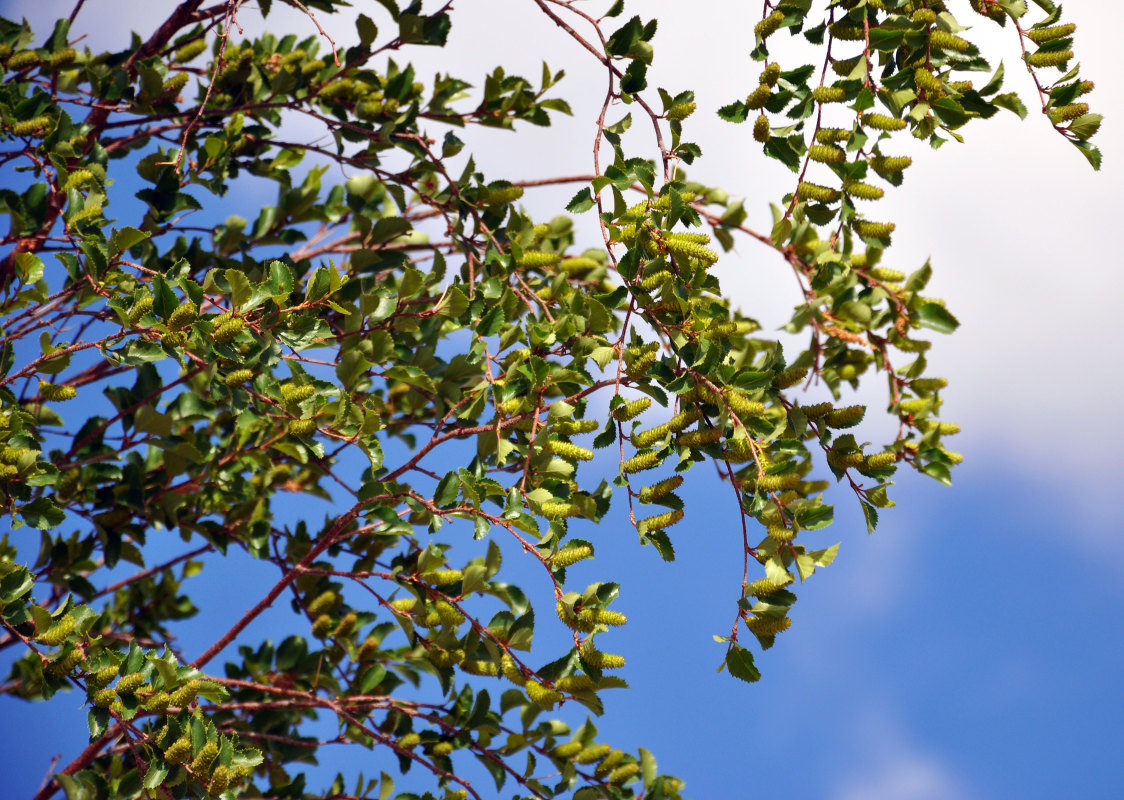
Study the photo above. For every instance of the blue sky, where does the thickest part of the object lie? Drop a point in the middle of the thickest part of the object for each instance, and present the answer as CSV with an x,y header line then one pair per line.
x,y
969,649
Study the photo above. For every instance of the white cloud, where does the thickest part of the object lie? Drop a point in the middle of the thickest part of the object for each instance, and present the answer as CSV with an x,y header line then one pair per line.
x,y
886,765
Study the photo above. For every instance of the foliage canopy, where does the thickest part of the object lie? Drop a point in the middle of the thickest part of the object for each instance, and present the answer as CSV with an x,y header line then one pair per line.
x,y
414,346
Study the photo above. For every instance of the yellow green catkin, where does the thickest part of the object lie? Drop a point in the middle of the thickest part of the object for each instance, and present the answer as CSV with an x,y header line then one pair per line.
x,y
22,59
568,450
681,111
632,409
541,695
1042,35
813,191
947,41
238,377
758,97
54,392
883,122
502,195
206,755
765,586
183,315
296,393
650,494
477,666
650,436
566,749
537,258
640,462
570,555
832,135
763,626
827,153
890,164
59,631
845,417
596,658
873,230
658,522
511,670
190,51
886,274
228,329
790,377
771,74
829,94
595,752
179,751
60,58
863,191
700,438
761,128
769,25
300,427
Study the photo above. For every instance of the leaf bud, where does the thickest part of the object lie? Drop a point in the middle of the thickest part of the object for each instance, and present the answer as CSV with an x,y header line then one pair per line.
x,y
813,191
761,128
55,392
650,494
883,122
769,25
1042,35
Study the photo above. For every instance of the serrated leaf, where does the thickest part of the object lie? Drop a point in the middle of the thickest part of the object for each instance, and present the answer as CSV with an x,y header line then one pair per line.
x,y
740,663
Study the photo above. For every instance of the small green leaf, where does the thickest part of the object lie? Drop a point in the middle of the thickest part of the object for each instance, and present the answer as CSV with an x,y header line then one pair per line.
x,y
740,662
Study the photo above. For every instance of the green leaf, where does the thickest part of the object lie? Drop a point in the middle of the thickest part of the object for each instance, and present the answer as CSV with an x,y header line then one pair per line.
x,y
740,662
937,317
123,239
